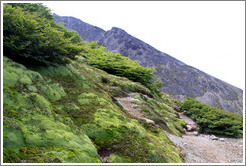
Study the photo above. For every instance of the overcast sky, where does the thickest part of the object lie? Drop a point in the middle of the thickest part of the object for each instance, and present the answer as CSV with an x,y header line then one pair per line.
x,y
207,35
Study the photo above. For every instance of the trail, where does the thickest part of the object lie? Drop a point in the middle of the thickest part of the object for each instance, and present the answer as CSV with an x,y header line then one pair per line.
x,y
196,148
133,109
204,149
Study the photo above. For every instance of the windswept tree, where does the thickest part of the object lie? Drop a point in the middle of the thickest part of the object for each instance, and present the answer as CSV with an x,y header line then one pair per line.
x,y
31,36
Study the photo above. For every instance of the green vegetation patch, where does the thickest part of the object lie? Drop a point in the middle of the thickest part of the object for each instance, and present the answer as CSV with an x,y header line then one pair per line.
x,y
54,91
161,114
117,64
213,120
13,139
32,37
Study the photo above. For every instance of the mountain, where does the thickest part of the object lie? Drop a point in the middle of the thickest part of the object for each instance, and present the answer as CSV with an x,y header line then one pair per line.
x,y
97,107
89,32
179,79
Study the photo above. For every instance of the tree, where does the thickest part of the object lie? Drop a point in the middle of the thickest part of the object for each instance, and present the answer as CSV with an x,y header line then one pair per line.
x,y
32,37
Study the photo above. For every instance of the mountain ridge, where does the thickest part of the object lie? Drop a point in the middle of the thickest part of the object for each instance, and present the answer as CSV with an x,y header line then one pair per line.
x,y
179,79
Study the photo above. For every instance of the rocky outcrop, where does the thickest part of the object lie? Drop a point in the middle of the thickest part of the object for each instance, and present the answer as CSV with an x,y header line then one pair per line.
x,y
179,80
191,126
89,32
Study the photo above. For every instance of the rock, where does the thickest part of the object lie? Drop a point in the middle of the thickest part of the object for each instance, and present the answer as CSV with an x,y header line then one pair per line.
x,y
213,137
196,133
149,121
222,139
191,127
105,159
27,161
109,161
172,71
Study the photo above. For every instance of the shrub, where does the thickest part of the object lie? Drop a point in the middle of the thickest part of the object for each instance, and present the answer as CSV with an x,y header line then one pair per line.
x,y
32,37
117,64
213,120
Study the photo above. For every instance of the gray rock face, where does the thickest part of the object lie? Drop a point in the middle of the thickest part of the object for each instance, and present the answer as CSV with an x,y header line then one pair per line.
x,y
179,79
89,32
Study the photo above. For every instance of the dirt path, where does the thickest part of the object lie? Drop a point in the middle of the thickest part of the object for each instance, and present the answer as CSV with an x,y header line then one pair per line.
x,y
203,149
195,148
129,105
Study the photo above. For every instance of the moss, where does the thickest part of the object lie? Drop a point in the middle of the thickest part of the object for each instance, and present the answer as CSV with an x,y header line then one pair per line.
x,y
25,80
90,99
161,114
164,147
32,88
40,102
14,139
40,130
68,155
117,158
52,71
10,78
54,91
67,114
34,76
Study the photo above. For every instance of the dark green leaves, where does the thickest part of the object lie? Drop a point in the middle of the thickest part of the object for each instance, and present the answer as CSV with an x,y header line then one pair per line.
x,y
32,37
213,120
117,64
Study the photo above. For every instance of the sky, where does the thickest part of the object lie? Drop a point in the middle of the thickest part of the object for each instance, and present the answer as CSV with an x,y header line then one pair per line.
x,y
207,35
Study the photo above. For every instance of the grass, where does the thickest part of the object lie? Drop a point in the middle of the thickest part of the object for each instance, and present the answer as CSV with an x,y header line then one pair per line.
x,y
69,114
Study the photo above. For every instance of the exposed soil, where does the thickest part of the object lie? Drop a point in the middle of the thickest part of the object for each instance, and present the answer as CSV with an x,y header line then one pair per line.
x,y
203,149
128,105
195,148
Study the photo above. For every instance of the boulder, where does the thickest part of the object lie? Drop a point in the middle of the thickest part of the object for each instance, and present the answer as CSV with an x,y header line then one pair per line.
x,y
196,133
191,127
213,137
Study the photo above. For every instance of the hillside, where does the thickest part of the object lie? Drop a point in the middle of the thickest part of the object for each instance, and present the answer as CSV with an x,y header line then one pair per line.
x,y
179,80
70,114
64,110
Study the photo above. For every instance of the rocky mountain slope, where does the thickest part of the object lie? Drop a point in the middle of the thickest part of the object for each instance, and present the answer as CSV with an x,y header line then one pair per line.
x,y
179,80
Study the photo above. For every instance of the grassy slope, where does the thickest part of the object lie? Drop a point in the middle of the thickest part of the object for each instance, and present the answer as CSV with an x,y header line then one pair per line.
x,y
68,114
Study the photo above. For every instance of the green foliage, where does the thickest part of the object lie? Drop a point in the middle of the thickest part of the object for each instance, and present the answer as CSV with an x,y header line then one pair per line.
x,y
71,116
54,91
130,146
117,158
34,7
118,65
161,114
48,154
14,139
156,86
30,120
213,120
32,37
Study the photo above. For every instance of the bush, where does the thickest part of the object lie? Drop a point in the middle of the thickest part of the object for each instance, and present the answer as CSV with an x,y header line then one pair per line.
x,y
32,37
213,120
117,64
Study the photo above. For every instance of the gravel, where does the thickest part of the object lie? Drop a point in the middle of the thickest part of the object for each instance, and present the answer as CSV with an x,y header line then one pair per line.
x,y
203,149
